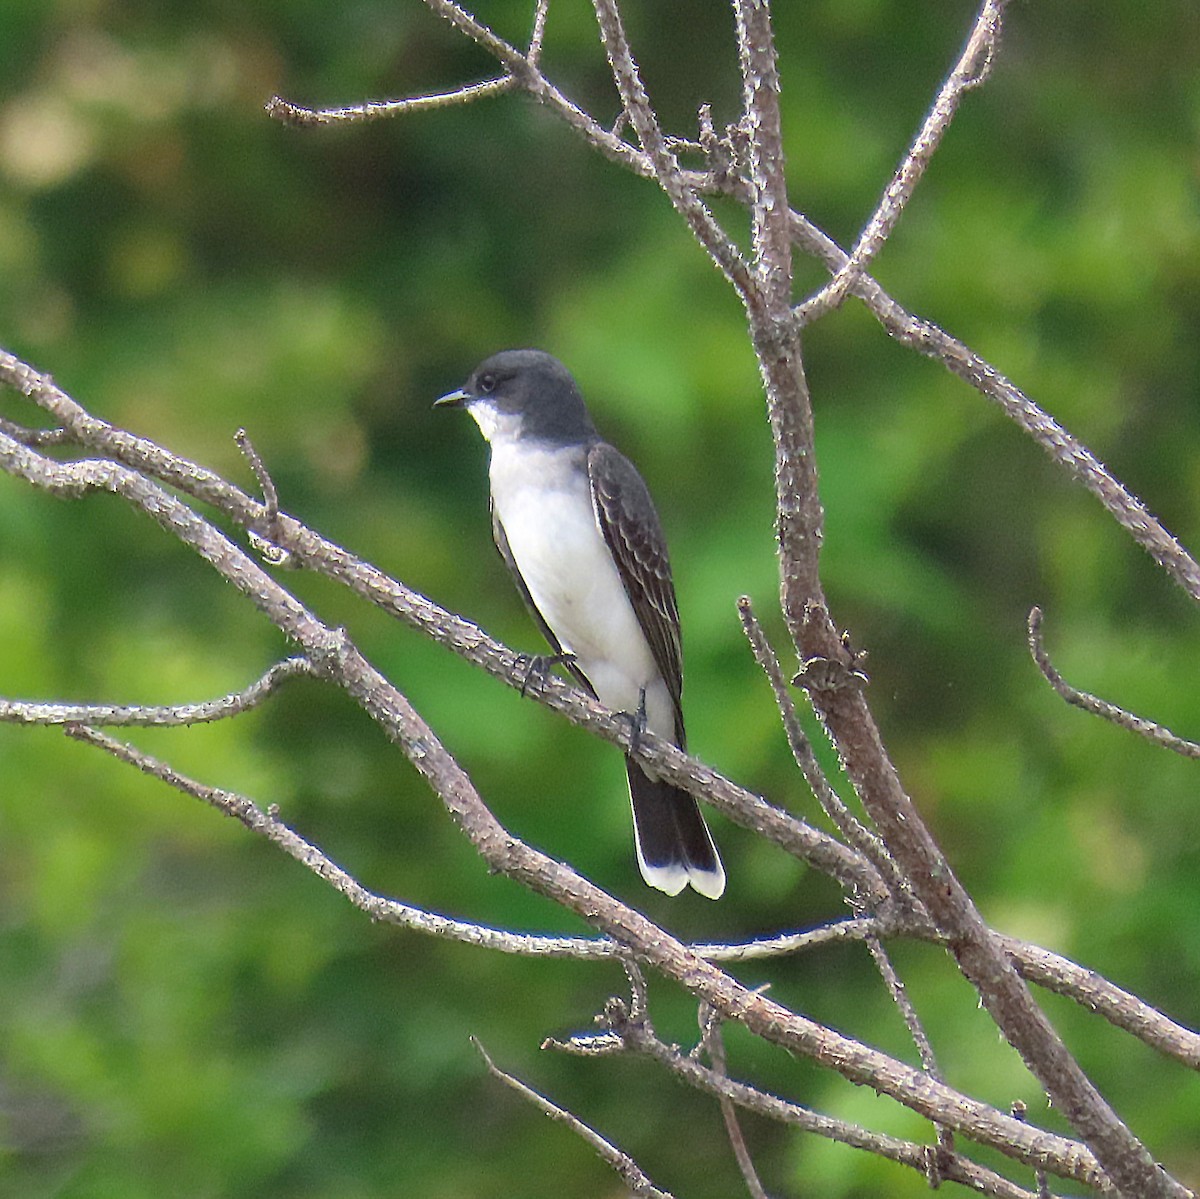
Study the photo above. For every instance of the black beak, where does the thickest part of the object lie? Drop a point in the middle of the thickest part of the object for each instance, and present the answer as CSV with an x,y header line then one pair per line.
x,y
453,399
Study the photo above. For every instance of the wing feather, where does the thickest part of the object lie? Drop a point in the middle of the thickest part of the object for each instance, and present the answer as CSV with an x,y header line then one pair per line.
x,y
627,518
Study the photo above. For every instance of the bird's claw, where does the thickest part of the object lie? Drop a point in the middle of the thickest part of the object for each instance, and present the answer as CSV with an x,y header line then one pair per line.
x,y
538,666
637,723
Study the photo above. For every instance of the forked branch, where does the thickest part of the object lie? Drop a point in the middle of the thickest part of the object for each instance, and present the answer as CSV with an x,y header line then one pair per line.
x,y
336,658
969,72
898,858
631,1174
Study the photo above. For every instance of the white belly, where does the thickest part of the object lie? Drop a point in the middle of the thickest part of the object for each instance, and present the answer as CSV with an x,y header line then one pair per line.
x,y
546,511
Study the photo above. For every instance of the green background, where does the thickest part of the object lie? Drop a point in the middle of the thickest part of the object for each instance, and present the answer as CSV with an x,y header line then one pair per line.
x,y
184,1011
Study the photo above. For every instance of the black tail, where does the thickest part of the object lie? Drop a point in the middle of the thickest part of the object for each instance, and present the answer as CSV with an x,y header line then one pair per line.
x,y
674,846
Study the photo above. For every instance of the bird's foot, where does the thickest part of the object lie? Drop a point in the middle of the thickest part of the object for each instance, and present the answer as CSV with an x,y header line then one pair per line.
x,y
637,722
536,667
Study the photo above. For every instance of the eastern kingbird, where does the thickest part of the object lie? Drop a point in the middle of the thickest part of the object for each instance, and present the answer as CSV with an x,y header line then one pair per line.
x,y
576,526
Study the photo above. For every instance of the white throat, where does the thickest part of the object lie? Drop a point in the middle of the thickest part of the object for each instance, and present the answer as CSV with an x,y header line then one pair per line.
x,y
498,428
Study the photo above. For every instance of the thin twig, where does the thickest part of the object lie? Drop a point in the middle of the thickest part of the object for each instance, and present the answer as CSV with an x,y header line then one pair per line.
x,y
971,70
266,484
267,824
639,994
525,74
485,38
538,36
852,929
682,195
145,715
1156,733
35,438
1020,1111
631,1174
900,997
714,1045
855,832
273,553
374,110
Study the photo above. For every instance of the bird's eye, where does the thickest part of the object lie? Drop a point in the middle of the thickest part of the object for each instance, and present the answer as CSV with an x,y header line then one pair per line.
x,y
487,383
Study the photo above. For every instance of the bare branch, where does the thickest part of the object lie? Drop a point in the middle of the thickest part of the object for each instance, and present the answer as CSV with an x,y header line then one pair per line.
x,y
539,32
1065,450
764,130
714,1045
857,834
855,733
1119,1160
971,70
266,484
32,712
899,993
978,952
269,826
387,911
1106,999
1039,965
1155,733
666,169
35,438
374,110
272,553
630,1172
956,1168
335,656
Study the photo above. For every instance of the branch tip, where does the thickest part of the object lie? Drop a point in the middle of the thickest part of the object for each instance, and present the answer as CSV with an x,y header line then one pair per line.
x,y
1150,731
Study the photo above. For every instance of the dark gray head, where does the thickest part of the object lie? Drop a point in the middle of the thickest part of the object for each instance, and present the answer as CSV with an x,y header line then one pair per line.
x,y
524,393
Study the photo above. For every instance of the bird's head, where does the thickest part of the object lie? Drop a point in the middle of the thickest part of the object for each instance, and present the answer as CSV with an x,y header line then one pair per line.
x,y
523,393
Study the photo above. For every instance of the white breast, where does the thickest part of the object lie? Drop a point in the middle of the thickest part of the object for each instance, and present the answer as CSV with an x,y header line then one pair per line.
x,y
544,502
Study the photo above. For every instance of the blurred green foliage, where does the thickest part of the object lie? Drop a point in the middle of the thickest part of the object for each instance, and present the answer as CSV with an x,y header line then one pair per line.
x,y
184,1011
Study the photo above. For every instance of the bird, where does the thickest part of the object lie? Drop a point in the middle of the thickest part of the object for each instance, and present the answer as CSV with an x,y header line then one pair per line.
x,y
575,524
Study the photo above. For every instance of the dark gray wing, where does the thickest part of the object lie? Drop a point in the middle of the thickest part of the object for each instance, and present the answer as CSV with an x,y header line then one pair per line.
x,y
626,515
501,539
